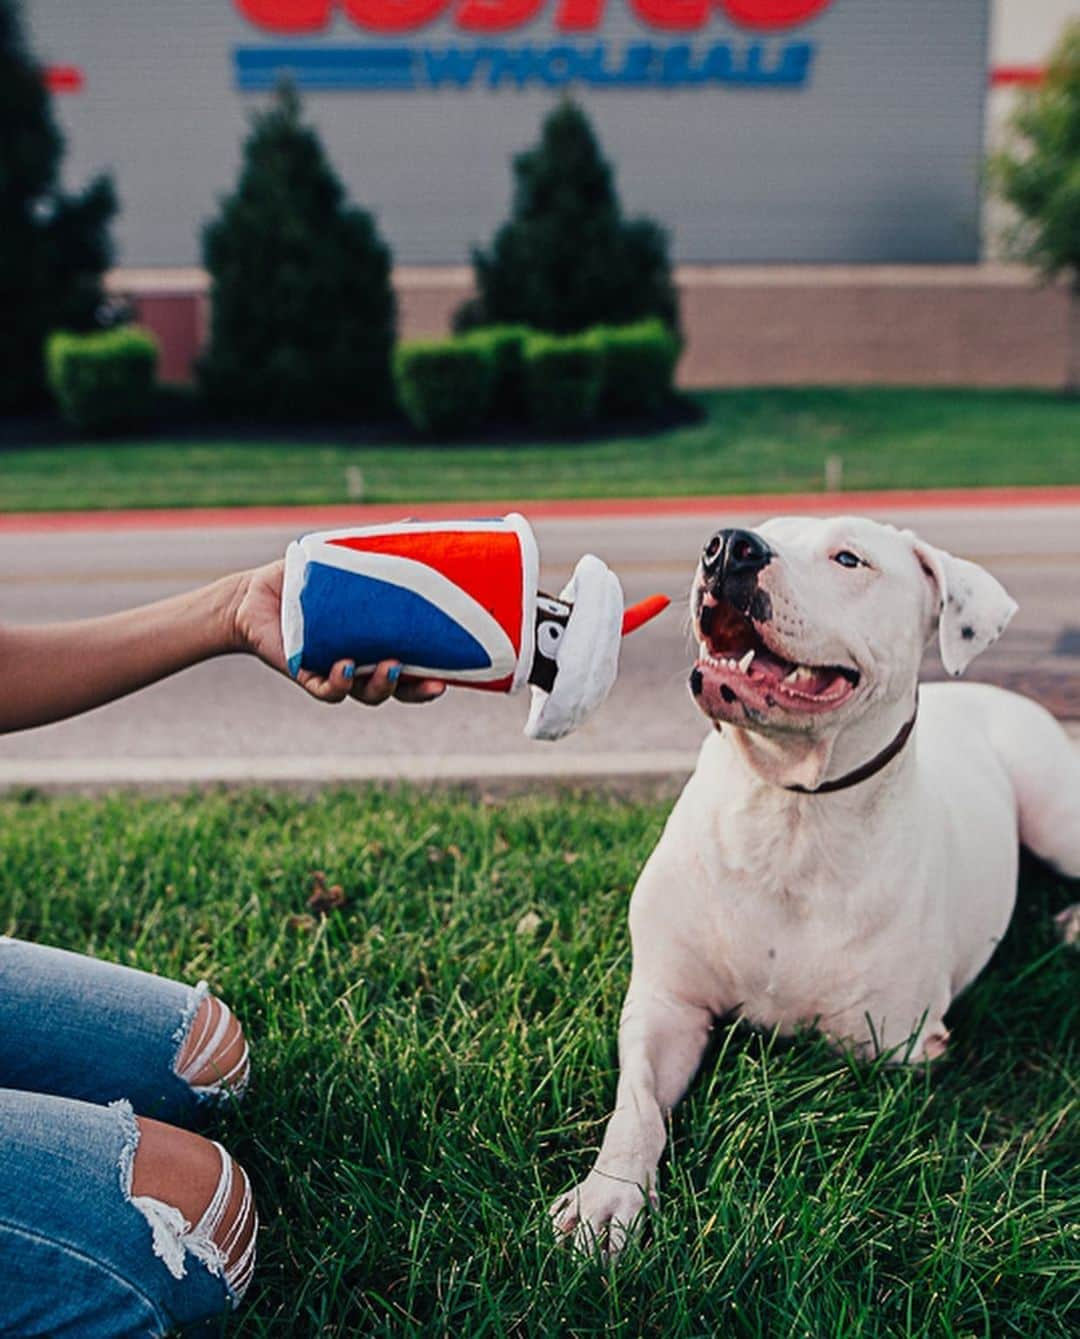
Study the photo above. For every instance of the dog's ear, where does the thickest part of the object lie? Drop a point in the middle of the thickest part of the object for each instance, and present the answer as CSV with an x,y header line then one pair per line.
x,y
973,608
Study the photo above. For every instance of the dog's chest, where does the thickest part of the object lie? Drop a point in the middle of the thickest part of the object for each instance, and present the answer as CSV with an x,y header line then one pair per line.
x,y
799,921
789,955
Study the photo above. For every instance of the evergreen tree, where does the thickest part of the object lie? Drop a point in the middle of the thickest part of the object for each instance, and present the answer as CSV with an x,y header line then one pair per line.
x,y
567,259
303,313
1040,178
54,247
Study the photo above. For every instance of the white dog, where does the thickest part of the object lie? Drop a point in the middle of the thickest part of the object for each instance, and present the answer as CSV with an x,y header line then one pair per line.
x,y
845,855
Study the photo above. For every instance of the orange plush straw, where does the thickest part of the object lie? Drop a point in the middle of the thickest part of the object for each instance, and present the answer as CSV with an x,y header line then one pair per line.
x,y
642,611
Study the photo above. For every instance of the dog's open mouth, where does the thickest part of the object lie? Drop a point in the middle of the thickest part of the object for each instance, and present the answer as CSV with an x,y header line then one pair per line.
x,y
737,666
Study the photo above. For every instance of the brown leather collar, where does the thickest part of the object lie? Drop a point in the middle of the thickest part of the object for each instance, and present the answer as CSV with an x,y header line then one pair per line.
x,y
868,769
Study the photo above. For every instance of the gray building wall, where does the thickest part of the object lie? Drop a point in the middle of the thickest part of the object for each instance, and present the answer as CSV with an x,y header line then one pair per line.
x,y
875,158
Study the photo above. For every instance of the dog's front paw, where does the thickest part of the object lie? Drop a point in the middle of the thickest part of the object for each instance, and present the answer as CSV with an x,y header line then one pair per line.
x,y
602,1213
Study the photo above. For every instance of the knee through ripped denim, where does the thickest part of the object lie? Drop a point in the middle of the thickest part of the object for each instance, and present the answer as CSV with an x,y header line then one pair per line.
x,y
85,1048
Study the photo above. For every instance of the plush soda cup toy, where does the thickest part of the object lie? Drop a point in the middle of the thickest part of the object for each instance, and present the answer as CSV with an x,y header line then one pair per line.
x,y
458,600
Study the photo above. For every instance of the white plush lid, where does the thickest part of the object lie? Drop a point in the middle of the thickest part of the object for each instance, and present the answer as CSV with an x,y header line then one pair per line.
x,y
587,655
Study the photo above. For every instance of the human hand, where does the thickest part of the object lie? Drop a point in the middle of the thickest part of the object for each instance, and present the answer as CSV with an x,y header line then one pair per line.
x,y
255,617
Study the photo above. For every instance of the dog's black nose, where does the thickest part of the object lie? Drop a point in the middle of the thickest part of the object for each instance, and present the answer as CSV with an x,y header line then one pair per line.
x,y
733,552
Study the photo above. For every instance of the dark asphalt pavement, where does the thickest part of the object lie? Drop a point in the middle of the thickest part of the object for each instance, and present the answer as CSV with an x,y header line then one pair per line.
x,y
232,719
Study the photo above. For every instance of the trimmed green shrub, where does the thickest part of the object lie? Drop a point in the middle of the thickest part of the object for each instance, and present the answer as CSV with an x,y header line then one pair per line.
x,y
567,258
54,246
104,381
1038,174
445,386
564,376
507,346
302,308
639,366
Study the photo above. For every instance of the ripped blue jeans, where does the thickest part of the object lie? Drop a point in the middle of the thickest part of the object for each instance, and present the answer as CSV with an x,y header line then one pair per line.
x,y
85,1046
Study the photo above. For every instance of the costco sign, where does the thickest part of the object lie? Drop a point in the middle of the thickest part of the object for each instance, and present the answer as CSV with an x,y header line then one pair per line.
x,y
657,53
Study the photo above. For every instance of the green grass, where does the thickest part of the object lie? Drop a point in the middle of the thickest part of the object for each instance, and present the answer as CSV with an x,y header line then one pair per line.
x,y
430,1070
747,441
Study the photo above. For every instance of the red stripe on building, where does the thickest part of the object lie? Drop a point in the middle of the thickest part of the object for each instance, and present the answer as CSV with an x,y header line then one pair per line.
x,y
1028,75
65,79
71,79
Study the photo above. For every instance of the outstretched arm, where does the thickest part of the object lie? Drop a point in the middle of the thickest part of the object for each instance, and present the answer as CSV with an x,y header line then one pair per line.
x,y
57,670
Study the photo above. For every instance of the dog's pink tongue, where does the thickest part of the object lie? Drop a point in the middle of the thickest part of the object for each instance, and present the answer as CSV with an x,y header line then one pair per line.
x,y
820,682
811,682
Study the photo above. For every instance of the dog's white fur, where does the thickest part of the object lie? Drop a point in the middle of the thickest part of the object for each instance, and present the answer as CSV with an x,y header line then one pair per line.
x,y
862,912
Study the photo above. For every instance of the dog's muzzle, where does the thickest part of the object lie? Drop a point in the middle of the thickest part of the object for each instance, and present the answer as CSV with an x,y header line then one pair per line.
x,y
731,562
740,673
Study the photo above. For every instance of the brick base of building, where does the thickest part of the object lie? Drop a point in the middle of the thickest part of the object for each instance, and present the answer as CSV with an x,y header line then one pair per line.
x,y
980,325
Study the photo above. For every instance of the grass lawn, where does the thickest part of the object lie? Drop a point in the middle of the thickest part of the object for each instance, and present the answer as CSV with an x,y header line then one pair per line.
x,y
746,441
434,1061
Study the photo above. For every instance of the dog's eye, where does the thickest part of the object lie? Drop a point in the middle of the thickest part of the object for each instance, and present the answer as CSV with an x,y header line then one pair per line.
x,y
847,559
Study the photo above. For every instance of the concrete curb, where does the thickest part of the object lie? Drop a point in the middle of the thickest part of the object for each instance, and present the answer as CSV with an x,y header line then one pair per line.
x,y
625,772
315,517
56,775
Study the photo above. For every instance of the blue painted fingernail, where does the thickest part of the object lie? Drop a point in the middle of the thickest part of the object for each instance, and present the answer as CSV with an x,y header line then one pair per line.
x,y
394,673
349,671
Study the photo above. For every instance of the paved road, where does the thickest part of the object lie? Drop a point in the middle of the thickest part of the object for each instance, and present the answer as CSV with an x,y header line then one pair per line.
x,y
228,720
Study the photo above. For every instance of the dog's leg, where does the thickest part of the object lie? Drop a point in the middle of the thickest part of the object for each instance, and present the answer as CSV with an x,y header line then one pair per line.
x,y
1044,767
661,1042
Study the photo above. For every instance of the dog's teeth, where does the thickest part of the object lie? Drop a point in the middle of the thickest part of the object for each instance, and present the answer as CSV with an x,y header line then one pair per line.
x,y
746,662
790,678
